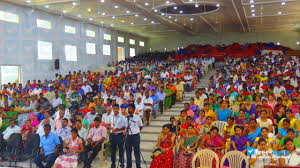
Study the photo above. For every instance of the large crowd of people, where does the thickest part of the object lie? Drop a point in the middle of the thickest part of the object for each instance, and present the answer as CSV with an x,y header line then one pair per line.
x,y
257,100
74,114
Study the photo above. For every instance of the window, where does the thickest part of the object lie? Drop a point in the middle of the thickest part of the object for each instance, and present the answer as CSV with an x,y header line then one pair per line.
x,y
44,50
121,39
107,37
132,52
131,41
106,49
70,29
90,48
142,44
90,33
9,17
43,24
71,53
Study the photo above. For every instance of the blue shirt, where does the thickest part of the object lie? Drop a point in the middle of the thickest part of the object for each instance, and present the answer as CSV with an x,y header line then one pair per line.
x,y
154,98
223,115
161,96
49,144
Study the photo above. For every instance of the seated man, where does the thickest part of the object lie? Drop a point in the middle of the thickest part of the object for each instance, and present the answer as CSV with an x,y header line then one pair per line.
x,y
290,134
96,137
49,145
13,128
82,132
64,131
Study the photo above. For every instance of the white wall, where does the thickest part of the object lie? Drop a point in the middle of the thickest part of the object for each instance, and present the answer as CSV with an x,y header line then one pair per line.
x,y
18,43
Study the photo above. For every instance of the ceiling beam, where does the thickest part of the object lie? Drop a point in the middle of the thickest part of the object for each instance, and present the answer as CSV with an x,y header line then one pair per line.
x,y
142,11
267,2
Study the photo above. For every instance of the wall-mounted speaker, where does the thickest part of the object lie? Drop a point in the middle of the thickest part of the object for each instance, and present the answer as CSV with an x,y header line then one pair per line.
x,y
56,64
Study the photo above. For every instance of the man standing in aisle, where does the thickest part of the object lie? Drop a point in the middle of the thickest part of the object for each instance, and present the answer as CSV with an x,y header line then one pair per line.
x,y
134,125
116,123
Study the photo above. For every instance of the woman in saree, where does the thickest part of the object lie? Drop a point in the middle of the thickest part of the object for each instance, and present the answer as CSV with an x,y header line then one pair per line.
x,y
72,147
194,108
213,141
188,146
238,141
163,155
250,108
241,119
168,99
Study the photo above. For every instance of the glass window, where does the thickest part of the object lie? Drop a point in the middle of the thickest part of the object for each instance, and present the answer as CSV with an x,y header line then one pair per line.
x,y
90,48
43,24
106,49
44,50
70,29
142,44
132,52
107,37
9,17
131,41
71,53
121,39
90,33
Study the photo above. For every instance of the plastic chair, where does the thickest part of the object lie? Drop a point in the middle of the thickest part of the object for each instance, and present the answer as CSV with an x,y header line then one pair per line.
x,y
31,147
101,152
206,159
220,125
14,146
235,159
234,108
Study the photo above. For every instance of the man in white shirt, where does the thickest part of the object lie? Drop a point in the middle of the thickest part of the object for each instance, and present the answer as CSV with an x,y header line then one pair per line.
x,y
37,89
13,128
139,105
188,81
56,101
278,88
148,104
46,120
86,88
106,115
134,125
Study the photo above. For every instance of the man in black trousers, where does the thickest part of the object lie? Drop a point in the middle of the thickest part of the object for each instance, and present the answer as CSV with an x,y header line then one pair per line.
x,y
134,126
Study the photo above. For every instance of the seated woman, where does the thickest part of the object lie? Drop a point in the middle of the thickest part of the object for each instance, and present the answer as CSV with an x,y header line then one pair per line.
x,y
200,120
241,119
223,112
194,108
294,123
26,130
34,122
238,141
163,156
252,130
292,159
72,147
251,108
229,129
264,121
213,141
261,156
290,134
188,146
271,142
206,127
184,127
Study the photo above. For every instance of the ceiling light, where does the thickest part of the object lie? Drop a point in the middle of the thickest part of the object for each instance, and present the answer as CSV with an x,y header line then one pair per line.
x,y
251,1
162,14
90,18
175,20
136,15
113,17
102,1
191,19
101,22
74,3
145,18
28,1
191,0
89,9
218,5
103,13
79,15
279,13
165,49
252,6
170,17
146,3
127,11
64,11
123,21
112,25
175,7
116,6
278,43
298,42
152,22
180,11
46,6
253,10
167,2
283,3
196,5
253,14
132,23
155,10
